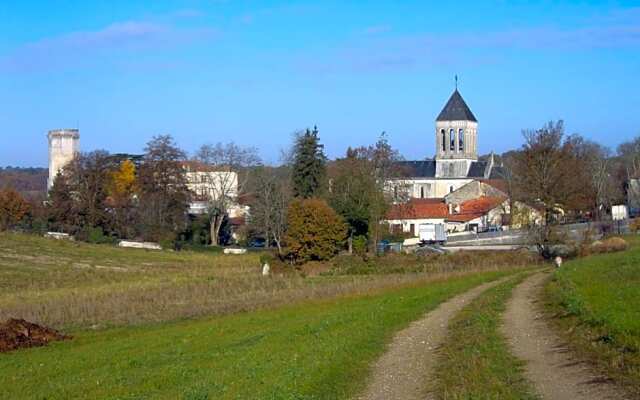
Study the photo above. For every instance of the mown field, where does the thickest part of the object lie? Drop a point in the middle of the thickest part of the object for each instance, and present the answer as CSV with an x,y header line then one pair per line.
x,y
77,285
597,299
199,325
313,350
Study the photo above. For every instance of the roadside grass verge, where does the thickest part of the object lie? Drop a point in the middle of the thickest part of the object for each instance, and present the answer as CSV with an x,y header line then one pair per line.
x,y
475,362
596,304
313,350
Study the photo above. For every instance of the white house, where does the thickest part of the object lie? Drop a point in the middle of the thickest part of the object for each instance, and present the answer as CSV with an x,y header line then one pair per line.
x,y
471,215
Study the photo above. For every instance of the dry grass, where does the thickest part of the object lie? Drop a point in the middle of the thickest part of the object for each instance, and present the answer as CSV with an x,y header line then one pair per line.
x,y
74,285
433,263
610,245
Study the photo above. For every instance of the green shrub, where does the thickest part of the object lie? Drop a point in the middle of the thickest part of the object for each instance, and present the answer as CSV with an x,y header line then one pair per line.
x,y
94,235
266,258
359,244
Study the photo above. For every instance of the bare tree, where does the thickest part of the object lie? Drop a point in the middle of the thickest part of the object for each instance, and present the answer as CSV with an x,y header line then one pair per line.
x,y
629,152
602,188
272,195
163,200
545,172
230,166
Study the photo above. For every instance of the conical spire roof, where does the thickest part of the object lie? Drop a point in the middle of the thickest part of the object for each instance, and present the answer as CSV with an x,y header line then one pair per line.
x,y
456,110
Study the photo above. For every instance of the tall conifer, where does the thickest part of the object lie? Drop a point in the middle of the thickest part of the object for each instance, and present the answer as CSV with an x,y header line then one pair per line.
x,y
309,165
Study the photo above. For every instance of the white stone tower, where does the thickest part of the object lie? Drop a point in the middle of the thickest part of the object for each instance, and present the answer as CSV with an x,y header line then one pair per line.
x,y
456,138
63,146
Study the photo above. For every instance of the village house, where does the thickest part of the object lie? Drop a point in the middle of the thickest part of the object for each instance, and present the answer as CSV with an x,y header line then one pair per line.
x,y
476,215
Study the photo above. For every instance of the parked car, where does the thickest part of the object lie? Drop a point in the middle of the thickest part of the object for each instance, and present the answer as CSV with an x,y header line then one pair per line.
x,y
430,249
257,243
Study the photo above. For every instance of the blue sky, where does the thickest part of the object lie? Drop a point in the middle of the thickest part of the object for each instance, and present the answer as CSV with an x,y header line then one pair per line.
x,y
254,72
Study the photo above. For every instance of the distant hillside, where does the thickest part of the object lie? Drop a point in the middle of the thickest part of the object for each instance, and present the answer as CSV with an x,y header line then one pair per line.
x,y
30,182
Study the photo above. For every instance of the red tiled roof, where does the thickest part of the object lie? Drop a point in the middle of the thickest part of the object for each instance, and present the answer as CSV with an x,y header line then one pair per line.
x,y
419,209
436,208
474,208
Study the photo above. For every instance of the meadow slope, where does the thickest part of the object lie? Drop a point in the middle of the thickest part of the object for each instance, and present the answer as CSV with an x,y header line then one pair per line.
x,y
597,303
313,350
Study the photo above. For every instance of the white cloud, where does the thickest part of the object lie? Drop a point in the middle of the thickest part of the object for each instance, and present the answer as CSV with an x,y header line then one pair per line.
x,y
82,46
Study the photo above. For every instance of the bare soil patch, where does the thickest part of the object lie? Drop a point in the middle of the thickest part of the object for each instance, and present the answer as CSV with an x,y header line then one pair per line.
x,y
18,333
556,373
404,371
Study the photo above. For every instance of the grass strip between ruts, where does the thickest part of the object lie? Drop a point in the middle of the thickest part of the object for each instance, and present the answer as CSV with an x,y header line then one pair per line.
x,y
475,361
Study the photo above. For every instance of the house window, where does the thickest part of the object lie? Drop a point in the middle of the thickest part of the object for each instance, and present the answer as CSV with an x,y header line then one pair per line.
x,y
461,140
450,189
444,139
452,139
422,192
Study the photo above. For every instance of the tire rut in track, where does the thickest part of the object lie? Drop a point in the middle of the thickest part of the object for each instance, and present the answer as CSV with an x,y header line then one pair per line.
x,y
404,370
554,371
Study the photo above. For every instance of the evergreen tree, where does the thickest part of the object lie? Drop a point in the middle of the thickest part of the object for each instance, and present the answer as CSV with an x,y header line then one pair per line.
x,y
309,165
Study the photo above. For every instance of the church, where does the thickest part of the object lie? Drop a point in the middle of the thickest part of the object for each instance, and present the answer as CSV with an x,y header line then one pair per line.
x,y
456,161
455,188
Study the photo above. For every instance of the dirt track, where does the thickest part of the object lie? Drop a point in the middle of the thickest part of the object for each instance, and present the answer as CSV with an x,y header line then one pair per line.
x,y
554,372
403,371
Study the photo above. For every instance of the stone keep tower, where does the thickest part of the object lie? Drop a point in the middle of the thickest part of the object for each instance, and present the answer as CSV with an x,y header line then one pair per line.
x,y
63,146
456,138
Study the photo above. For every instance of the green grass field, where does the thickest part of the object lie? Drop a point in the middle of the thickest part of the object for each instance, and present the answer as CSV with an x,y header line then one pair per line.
x,y
599,299
475,362
316,350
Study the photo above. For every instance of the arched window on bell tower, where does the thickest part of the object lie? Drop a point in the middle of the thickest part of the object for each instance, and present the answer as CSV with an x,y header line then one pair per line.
x,y
461,140
452,139
444,140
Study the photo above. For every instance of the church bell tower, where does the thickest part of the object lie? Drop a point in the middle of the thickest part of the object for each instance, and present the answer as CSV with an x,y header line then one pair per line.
x,y
456,138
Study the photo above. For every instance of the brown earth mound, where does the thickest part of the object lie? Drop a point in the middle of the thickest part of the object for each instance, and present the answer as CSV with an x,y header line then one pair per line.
x,y
18,333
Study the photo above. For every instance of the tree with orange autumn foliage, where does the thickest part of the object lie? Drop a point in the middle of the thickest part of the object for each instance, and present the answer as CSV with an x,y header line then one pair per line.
x,y
13,207
314,230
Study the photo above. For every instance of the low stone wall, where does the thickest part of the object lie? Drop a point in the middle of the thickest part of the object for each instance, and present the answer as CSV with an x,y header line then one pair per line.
x,y
58,236
139,245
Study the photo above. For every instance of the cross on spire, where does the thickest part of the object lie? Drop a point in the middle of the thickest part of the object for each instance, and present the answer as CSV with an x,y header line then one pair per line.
x,y
456,81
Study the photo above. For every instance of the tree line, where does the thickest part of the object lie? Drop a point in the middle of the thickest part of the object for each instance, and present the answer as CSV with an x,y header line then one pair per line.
x,y
308,208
